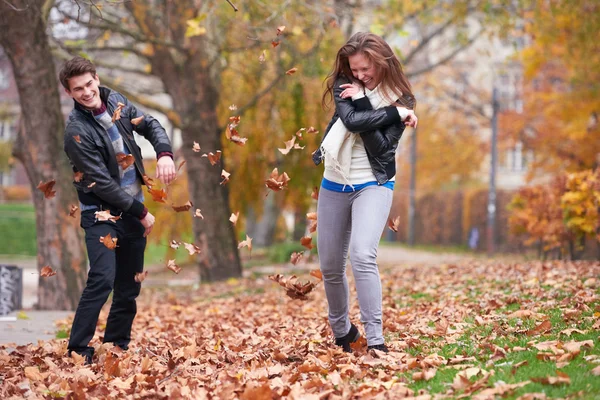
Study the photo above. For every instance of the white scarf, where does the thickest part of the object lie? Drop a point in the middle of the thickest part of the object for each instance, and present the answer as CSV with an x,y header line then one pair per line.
x,y
337,145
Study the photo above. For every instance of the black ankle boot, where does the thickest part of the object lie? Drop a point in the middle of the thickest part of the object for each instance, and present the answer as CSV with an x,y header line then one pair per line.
x,y
380,347
351,337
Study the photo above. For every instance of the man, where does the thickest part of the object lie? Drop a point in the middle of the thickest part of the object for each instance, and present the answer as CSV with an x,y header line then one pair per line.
x,y
101,146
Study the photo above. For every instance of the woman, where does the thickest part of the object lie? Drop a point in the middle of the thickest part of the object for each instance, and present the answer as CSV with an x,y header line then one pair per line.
x,y
373,103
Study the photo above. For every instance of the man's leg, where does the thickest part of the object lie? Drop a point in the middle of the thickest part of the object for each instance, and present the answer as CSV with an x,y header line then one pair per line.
x,y
101,277
333,236
130,260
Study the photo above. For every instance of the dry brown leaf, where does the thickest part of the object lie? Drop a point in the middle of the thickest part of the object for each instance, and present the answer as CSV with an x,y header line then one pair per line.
x,y
280,30
174,244
234,217
47,271
192,248
291,71
277,182
148,181
125,160
596,371
158,195
225,177
295,258
181,164
232,107
198,214
246,243
173,267
105,215
262,57
33,374
72,210
306,241
231,132
294,287
312,228
117,113
560,379
275,43
137,120
317,274
394,224
46,188
186,207
77,176
425,375
196,147
315,193
213,158
545,326
77,138
311,216
108,241
140,276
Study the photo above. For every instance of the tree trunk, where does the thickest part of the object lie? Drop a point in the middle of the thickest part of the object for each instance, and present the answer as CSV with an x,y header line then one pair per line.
x,y
39,148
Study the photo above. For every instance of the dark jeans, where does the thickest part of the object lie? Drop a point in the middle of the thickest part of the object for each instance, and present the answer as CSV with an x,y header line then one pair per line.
x,y
109,270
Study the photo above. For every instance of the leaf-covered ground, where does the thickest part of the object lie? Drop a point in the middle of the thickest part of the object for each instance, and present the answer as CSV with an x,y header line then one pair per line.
x,y
477,330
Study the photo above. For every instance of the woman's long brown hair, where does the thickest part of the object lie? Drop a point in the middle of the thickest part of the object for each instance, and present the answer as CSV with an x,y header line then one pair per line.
x,y
388,68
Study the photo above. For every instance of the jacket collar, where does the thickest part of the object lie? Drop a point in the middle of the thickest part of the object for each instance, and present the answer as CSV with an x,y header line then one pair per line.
x,y
104,93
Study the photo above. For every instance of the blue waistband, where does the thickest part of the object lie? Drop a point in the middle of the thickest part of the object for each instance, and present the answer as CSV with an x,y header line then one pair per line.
x,y
340,187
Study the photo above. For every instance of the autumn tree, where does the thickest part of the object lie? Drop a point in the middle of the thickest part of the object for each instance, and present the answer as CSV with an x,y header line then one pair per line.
x,y
39,147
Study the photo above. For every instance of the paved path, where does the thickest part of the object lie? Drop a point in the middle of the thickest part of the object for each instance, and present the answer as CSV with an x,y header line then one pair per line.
x,y
40,324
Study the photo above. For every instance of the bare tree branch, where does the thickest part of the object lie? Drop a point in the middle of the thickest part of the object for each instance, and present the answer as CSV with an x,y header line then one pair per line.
x,y
15,8
232,5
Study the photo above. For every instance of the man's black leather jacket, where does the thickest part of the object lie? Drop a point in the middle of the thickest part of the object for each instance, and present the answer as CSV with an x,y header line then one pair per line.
x,y
379,129
90,151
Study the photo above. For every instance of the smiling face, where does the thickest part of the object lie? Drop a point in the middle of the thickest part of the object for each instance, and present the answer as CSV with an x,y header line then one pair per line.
x,y
84,90
364,70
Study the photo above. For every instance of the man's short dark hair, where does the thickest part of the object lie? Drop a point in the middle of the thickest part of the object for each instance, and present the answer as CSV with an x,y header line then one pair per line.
x,y
76,66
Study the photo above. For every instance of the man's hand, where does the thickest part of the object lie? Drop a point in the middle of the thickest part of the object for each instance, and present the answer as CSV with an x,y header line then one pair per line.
x,y
350,89
148,223
165,170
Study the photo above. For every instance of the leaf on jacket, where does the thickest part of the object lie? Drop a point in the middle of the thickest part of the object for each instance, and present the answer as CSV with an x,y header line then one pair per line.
x,y
225,176
138,120
306,241
125,160
196,147
234,217
77,138
117,114
158,195
47,271
77,176
277,182
213,158
173,267
109,241
73,209
46,188
184,207
106,216
394,224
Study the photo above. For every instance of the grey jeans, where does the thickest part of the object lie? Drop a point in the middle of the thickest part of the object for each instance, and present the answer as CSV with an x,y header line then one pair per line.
x,y
353,221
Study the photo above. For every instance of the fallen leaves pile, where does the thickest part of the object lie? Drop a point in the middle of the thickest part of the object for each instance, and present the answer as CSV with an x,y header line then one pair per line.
x,y
246,339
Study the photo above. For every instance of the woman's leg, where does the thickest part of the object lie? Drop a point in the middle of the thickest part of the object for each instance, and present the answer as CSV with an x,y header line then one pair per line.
x,y
333,234
370,210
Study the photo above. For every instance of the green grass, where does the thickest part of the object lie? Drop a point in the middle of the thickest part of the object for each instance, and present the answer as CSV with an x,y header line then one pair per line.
x,y
17,223
438,249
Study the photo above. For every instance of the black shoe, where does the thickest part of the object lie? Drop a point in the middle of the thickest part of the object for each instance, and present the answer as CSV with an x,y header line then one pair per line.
x,y
380,347
351,337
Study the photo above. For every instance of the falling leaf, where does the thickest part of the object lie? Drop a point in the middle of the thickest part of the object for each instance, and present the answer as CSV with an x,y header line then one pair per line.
x,y
91,185
184,207
106,216
77,176
174,244
213,158
315,193
196,147
232,134
290,144
125,160
109,241
173,267
225,176
291,71
136,121
198,214
180,165
311,216
47,271
294,288
393,224
158,195
312,130
233,107
117,113
306,241
295,258
277,182
246,243
73,210
234,217
140,276
317,274
262,57
192,248
280,30
46,188
275,43
77,138
312,228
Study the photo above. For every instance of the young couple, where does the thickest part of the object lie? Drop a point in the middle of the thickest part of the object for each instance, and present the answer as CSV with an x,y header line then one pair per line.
x,y
373,104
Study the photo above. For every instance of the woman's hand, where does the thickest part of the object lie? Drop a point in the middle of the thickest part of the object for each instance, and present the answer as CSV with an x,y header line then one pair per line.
x,y
350,89
411,119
